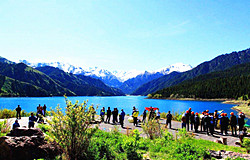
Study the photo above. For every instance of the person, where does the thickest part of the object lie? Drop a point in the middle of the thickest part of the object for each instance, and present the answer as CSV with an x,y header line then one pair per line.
x,y
211,126
202,121
18,112
121,118
32,120
187,119
192,120
151,113
183,119
114,116
116,113
207,122
108,115
144,116
135,115
44,109
158,115
196,122
169,119
241,120
233,123
226,122
15,125
102,114
215,118
222,123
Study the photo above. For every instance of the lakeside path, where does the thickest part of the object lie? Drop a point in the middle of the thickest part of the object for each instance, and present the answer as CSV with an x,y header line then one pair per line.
x,y
175,126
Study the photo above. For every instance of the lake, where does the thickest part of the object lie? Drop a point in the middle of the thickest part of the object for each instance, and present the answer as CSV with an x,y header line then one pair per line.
x,y
121,102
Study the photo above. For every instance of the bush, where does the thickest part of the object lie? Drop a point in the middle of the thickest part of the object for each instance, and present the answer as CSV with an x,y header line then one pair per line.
x,y
246,144
72,130
4,127
163,115
152,129
8,113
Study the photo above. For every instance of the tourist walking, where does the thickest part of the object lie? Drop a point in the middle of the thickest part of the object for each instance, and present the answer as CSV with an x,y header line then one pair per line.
x,y
32,120
196,122
169,119
233,123
121,118
18,112
241,120
15,125
108,115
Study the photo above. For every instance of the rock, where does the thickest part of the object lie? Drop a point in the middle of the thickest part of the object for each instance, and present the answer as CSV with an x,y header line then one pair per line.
x,y
25,132
27,147
218,141
223,140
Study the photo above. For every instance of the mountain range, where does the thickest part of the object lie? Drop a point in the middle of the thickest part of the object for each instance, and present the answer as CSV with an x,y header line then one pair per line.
x,y
18,79
219,63
127,81
56,79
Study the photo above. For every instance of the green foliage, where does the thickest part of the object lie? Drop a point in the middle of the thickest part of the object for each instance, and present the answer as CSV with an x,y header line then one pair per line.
x,y
163,115
4,127
230,83
8,113
72,130
246,144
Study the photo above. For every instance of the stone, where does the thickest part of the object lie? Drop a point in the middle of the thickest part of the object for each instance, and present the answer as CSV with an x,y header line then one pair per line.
x,y
30,147
25,132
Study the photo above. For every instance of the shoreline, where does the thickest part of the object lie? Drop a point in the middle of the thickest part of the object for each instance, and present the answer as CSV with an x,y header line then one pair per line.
x,y
195,99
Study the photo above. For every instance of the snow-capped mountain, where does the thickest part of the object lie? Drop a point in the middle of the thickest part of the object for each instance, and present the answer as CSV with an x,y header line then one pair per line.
x,y
119,79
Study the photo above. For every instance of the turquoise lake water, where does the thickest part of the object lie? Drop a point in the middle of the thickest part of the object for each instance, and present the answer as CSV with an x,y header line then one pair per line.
x,y
121,102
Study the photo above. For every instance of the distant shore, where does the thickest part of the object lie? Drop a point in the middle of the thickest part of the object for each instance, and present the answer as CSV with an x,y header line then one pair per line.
x,y
241,106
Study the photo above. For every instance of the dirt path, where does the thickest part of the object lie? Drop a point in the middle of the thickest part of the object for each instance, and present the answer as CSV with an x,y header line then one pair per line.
x,y
175,126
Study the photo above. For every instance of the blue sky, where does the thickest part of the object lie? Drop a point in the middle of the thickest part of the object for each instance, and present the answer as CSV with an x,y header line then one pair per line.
x,y
123,35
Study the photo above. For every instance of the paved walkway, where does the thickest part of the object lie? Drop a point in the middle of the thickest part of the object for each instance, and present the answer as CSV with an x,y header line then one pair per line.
x,y
175,126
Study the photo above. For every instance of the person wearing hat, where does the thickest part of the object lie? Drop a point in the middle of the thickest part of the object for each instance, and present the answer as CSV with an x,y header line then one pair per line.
x,y
135,115
241,121
192,122
187,115
222,123
196,122
233,123
226,122
183,120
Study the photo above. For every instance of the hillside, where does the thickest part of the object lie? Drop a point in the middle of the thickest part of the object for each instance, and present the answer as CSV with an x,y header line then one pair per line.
x,y
231,83
12,88
79,84
219,63
23,73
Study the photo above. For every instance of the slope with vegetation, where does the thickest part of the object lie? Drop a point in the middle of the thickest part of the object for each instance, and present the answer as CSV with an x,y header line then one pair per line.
x,y
31,81
219,63
231,83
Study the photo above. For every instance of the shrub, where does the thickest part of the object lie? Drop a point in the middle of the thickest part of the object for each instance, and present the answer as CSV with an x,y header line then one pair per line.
x,y
72,130
163,115
152,129
246,144
4,127
8,113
